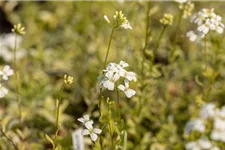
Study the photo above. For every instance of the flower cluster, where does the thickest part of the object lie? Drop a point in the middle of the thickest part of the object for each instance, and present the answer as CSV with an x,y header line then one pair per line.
x,y
206,20
5,73
7,44
18,29
187,8
68,79
112,75
90,130
200,144
167,19
209,112
120,21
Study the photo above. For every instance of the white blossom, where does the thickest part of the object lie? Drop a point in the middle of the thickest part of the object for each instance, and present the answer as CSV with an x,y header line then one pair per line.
x,y
208,111
128,92
201,144
206,20
3,91
195,125
93,132
6,72
113,74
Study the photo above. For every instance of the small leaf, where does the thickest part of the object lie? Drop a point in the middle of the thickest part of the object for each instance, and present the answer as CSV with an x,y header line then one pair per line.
x,y
111,126
198,81
50,140
124,140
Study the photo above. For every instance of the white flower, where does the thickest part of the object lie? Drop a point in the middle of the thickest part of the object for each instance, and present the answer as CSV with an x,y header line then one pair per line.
x,y
200,144
206,20
128,92
204,143
6,72
3,91
91,131
85,119
192,146
191,35
113,73
123,64
208,111
180,1
111,79
195,125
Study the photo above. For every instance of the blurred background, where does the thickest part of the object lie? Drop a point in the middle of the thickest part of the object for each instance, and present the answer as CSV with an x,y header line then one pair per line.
x,y
71,38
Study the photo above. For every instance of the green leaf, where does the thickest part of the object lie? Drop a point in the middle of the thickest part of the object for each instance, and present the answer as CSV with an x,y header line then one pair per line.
x,y
50,140
111,126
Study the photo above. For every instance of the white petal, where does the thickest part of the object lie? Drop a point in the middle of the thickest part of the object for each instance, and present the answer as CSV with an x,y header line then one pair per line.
x,y
5,77
129,93
93,136
97,131
81,120
85,132
88,125
109,85
121,87
86,117
109,74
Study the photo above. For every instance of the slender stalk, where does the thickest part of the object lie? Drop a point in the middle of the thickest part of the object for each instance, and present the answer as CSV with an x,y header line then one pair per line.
x,y
118,103
107,53
17,79
160,37
58,103
9,139
205,54
143,55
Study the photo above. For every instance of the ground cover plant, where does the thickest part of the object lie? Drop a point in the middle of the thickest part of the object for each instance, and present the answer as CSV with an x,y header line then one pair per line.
x,y
137,75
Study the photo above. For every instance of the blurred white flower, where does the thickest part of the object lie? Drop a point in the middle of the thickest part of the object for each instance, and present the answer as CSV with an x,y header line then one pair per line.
x,y
6,72
206,20
3,91
7,44
201,144
180,1
208,111
194,125
93,132
128,92
191,35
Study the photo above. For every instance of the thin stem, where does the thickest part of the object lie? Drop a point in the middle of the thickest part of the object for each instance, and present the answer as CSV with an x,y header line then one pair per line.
x,y
9,139
205,54
107,53
17,79
143,55
160,37
58,102
118,103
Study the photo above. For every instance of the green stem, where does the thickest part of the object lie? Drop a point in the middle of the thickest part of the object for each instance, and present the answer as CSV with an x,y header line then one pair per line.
x,y
107,53
144,57
160,37
17,79
205,54
58,102
9,139
118,103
